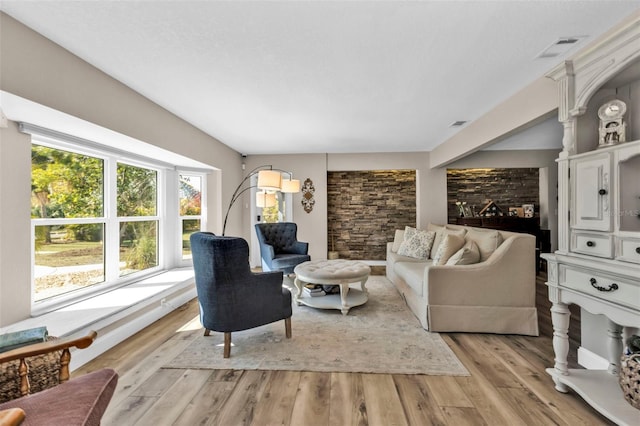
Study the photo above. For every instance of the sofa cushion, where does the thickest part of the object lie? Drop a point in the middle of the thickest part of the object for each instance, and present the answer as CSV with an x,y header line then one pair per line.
x,y
397,240
467,255
436,242
487,241
449,245
416,243
412,273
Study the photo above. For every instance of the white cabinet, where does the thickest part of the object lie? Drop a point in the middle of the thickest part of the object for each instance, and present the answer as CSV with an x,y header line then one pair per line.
x,y
597,264
601,270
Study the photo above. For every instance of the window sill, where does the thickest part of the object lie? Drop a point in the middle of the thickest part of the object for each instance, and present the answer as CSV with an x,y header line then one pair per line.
x,y
119,313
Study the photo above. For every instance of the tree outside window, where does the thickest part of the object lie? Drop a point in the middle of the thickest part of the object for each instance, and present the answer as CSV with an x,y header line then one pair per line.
x,y
67,208
190,189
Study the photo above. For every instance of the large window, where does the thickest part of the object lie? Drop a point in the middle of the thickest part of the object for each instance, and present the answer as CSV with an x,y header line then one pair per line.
x,y
101,220
67,208
137,192
190,193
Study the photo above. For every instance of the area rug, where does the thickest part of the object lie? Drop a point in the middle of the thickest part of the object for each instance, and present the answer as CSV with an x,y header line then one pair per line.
x,y
381,336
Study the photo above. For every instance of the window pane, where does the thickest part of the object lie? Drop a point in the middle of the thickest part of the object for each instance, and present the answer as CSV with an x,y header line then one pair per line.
x,y
276,213
65,184
136,191
190,195
67,258
189,226
138,246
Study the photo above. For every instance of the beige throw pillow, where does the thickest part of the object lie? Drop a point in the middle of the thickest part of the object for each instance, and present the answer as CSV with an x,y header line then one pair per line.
x,y
487,241
416,243
441,231
450,244
467,255
436,242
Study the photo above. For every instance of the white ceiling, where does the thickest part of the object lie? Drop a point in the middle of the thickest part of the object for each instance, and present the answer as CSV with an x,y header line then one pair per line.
x,y
322,77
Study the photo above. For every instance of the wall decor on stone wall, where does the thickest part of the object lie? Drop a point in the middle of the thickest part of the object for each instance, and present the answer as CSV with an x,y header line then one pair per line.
x,y
307,195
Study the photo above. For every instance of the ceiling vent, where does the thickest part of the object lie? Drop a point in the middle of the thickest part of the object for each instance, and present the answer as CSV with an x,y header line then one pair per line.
x,y
457,123
560,47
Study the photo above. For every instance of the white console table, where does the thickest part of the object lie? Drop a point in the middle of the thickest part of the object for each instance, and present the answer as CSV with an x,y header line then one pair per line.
x,y
599,388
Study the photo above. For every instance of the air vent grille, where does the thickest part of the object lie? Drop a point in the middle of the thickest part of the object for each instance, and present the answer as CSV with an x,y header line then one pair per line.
x,y
560,46
458,123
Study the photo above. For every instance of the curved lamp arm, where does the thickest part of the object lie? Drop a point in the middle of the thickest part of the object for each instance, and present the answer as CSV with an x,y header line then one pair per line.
x,y
239,190
234,198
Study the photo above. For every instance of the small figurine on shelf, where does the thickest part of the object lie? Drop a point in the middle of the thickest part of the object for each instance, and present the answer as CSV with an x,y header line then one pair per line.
x,y
612,129
490,210
528,210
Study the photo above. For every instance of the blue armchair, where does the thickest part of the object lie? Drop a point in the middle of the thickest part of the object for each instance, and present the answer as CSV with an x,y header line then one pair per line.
x,y
279,248
231,297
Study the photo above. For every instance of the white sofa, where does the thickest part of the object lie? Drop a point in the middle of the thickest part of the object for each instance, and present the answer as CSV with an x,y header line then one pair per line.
x,y
496,295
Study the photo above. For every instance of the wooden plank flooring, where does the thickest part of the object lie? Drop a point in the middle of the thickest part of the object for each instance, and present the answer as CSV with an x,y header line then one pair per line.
x,y
507,386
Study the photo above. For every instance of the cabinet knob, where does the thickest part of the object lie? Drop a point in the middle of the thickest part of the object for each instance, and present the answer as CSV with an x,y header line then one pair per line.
x,y
638,250
591,243
602,192
595,285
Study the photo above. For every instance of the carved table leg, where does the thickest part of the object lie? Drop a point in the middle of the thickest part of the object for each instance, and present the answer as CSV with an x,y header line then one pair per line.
x,y
362,285
560,317
344,291
298,285
614,345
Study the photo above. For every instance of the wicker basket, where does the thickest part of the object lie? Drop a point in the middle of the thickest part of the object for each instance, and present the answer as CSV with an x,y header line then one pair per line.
x,y
43,374
629,378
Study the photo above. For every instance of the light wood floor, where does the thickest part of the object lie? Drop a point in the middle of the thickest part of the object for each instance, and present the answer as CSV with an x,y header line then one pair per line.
x,y
507,386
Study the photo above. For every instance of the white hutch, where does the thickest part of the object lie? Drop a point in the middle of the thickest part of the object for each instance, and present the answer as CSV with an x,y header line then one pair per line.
x,y
597,264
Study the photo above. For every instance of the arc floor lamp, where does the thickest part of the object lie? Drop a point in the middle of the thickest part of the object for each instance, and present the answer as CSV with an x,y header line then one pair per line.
x,y
269,182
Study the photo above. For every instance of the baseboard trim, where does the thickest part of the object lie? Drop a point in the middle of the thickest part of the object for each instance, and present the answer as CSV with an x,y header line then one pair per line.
x,y
591,360
156,309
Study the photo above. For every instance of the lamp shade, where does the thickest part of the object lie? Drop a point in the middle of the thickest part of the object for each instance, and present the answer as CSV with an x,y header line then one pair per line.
x,y
265,200
291,185
269,180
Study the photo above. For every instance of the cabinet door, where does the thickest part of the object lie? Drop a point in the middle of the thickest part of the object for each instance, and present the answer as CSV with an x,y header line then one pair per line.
x,y
591,193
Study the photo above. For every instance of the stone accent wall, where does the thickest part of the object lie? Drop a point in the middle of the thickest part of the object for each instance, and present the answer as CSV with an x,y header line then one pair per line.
x,y
506,187
365,208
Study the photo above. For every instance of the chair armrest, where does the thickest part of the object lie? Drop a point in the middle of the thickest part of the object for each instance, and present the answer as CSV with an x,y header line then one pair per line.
x,y
264,282
267,252
49,346
300,247
11,416
44,348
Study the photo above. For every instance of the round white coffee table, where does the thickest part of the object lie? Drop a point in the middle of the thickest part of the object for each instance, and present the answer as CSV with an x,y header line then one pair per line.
x,y
333,272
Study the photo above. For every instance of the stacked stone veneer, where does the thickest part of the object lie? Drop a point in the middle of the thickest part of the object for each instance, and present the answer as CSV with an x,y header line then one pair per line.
x,y
365,208
506,187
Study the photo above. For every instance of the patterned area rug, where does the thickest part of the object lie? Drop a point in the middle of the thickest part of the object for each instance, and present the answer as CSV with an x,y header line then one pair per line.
x,y
381,336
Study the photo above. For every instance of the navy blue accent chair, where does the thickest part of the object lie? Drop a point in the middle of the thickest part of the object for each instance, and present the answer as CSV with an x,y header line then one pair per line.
x,y
231,297
279,248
